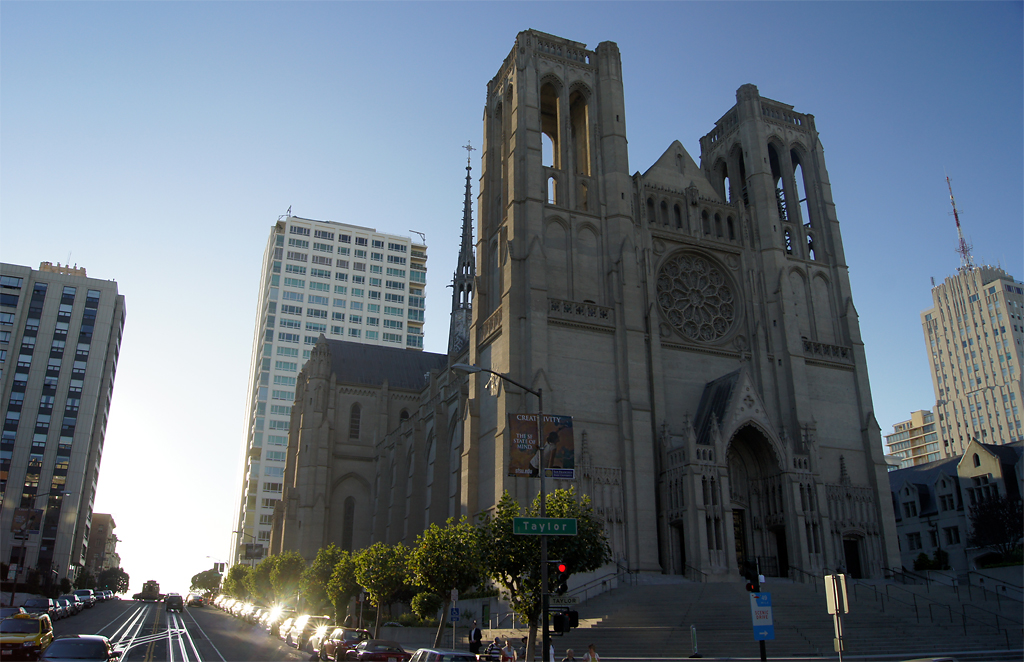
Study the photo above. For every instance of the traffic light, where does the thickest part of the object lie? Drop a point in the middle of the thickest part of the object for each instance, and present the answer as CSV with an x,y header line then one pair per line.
x,y
562,579
559,622
749,572
574,619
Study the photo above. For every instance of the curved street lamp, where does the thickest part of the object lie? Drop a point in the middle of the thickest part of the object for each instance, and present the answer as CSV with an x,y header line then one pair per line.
x,y
472,369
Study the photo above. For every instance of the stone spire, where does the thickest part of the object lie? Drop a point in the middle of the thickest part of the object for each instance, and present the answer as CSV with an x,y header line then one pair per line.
x,y
465,272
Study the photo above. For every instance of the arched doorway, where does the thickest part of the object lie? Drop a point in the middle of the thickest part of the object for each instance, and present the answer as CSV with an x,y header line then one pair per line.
x,y
758,502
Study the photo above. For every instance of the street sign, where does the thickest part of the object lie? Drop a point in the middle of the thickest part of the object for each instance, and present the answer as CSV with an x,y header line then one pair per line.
x,y
455,595
454,616
563,600
835,594
761,616
544,526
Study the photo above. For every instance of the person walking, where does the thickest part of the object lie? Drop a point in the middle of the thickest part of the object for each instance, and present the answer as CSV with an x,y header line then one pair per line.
x,y
476,637
508,654
591,655
493,651
569,656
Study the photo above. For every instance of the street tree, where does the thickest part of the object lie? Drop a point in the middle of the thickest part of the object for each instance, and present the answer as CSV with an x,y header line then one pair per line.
x,y
997,523
258,580
85,580
207,581
446,558
342,585
513,561
114,579
382,570
316,578
236,581
286,575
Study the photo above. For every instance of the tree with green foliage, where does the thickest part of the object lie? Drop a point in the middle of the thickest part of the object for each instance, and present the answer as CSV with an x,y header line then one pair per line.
x,y
65,585
317,576
85,580
426,605
207,581
258,581
342,584
113,579
236,581
382,570
447,558
286,576
997,523
513,561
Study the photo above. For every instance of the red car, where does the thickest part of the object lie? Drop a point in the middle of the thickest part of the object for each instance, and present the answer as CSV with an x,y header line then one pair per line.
x,y
378,650
333,644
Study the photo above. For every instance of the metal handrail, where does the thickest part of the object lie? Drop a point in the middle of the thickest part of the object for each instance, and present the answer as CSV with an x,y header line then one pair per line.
x,y
814,578
1000,582
584,588
703,575
906,573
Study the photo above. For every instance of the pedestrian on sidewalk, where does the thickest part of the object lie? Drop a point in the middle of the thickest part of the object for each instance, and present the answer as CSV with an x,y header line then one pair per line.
x,y
476,637
591,655
569,656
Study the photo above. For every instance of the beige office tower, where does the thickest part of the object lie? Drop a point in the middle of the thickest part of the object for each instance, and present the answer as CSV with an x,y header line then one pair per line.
x,y
914,441
974,333
344,282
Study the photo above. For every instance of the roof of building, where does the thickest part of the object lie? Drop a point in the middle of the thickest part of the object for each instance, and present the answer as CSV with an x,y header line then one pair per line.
x,y
371,365
713,403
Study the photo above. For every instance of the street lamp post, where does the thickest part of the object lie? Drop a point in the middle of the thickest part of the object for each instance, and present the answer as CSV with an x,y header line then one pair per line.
x,y
23,540
243,533
546,636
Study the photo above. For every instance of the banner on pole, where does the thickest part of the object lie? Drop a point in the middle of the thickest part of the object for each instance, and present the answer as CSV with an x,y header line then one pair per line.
x,y
559,452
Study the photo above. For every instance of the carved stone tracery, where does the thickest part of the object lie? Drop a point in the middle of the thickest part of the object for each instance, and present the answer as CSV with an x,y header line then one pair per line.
x,y
697,297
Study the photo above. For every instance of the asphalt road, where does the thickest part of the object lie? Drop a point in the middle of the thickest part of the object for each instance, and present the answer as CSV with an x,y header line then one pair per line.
x,y
148,633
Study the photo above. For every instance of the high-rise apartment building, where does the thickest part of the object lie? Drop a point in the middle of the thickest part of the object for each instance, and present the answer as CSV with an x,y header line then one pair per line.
x,y
102,545
974,334
915,441
60,336
319,277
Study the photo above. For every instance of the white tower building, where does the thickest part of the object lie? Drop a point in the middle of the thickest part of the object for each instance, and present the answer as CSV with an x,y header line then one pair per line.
x,y
319,277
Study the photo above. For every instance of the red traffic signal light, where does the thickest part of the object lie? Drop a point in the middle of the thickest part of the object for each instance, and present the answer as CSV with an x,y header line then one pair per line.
x,y
562,567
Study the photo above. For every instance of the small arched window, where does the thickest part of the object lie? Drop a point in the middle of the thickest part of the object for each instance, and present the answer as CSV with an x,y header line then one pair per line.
x,y
353,421
404,416
977,460
789,243
664,213
810,246
718,225
705,223
552,190
731,228
678,217
650,211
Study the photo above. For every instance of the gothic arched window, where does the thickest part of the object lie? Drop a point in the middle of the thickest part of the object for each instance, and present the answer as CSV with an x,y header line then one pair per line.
x,y
353,421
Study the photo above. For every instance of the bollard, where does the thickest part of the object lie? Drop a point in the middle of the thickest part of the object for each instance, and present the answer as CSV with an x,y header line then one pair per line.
x,y
693,639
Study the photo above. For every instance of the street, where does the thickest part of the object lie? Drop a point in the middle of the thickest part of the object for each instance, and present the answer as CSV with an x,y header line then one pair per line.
x,y
146,632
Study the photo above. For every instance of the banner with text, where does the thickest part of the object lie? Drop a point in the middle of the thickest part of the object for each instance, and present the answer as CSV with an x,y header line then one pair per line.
x,y
560,447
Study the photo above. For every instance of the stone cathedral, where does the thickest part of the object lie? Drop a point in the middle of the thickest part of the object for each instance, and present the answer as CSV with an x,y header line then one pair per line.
x,y
696,321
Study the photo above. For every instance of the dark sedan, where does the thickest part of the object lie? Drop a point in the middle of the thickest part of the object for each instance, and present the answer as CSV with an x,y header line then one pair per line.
x,y
378,650
80,647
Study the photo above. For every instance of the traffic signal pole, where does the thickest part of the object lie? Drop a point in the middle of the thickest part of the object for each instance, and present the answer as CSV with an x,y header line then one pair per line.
x,y
546,636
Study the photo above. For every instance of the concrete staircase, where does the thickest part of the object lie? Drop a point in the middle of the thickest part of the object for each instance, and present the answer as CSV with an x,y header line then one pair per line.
x,y
886,622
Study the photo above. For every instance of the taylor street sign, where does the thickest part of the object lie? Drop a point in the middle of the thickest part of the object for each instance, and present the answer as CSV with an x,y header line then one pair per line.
x,y
761,615
544,526
563,600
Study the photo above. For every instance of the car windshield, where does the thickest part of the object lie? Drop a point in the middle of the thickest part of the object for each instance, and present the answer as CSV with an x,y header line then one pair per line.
x,y
19,626
76,649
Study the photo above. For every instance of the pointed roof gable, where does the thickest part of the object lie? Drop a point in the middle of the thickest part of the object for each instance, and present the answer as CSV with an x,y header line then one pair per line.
x,y
666,172
727,404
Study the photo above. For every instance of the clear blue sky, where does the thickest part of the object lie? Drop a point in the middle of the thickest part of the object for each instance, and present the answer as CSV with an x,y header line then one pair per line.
x,y
156,143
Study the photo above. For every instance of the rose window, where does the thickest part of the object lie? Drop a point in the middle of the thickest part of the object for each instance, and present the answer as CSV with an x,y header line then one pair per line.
x,y
696,297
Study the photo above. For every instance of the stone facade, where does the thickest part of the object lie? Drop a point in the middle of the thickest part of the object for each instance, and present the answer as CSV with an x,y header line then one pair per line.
x,y
695,321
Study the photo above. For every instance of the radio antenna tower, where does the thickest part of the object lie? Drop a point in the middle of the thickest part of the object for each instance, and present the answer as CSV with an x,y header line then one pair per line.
x,y
963,248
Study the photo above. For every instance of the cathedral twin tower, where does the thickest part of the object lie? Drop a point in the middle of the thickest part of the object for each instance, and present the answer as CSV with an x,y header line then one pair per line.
x,y
695,321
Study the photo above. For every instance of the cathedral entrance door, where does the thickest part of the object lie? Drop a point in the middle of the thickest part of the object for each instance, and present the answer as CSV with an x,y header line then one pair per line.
x,y
781,551
739,532
851,549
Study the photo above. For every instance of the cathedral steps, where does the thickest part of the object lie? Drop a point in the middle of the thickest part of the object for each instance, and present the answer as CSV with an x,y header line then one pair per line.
x,y
654,620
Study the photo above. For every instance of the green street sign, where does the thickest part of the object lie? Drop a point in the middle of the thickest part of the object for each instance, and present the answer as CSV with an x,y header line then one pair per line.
x,y
544,526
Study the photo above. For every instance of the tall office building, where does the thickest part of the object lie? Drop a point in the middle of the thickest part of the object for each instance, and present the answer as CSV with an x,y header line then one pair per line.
x,y
974,333
319,277
102,545
60,336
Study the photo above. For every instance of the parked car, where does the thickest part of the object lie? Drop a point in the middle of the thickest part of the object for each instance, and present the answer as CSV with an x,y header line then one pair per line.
x,y
78,647
46,606
195,600
76,602
174,602
377,650
25,636
442,655
303,628
334,643
87,596
7,612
